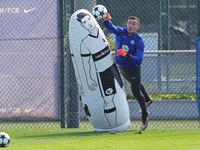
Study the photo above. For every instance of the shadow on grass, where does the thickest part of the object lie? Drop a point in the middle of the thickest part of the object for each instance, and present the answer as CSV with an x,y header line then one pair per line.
x,y
69,134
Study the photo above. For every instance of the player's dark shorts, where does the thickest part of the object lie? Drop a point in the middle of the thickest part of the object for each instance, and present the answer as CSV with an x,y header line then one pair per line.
x,y
107,80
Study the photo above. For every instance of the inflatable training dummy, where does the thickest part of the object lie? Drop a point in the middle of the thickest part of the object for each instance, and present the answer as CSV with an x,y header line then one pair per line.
x,y
100,85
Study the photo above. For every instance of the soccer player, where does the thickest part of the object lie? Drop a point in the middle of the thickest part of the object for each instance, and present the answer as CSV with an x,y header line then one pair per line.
x,y
129,55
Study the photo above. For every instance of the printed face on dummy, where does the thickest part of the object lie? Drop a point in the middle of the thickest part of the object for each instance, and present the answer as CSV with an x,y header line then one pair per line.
x,y
132,26
87,22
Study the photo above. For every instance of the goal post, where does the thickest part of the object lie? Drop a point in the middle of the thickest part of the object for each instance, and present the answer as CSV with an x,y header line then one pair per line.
x,y
198,73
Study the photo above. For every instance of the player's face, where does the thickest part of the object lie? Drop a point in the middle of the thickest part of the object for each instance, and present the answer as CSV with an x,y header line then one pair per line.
x,y
132,26
87,22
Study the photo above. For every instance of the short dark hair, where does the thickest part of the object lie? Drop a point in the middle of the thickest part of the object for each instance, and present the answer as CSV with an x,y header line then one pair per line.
x,y
81,15
133,17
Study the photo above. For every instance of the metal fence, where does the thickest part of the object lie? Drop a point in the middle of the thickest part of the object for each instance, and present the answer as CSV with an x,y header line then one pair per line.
x,y
168,67
38,85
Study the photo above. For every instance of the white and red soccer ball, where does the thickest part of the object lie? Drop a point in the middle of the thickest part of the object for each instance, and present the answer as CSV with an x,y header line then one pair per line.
x,y
99,12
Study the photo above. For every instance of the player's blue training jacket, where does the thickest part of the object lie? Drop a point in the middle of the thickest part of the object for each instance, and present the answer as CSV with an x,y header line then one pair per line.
x,y
131,46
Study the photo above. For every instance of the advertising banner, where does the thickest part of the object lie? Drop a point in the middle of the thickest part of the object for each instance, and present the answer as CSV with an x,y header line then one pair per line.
x,y
29,59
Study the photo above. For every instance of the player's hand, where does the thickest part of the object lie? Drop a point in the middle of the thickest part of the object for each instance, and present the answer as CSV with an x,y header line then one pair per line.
x,y
108,17
121,52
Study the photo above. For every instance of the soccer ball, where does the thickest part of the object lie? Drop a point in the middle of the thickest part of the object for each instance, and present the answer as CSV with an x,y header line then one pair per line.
x,y
4,139
99,12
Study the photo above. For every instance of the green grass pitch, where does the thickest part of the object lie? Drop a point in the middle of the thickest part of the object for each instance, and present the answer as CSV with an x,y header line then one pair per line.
x,y
87,139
